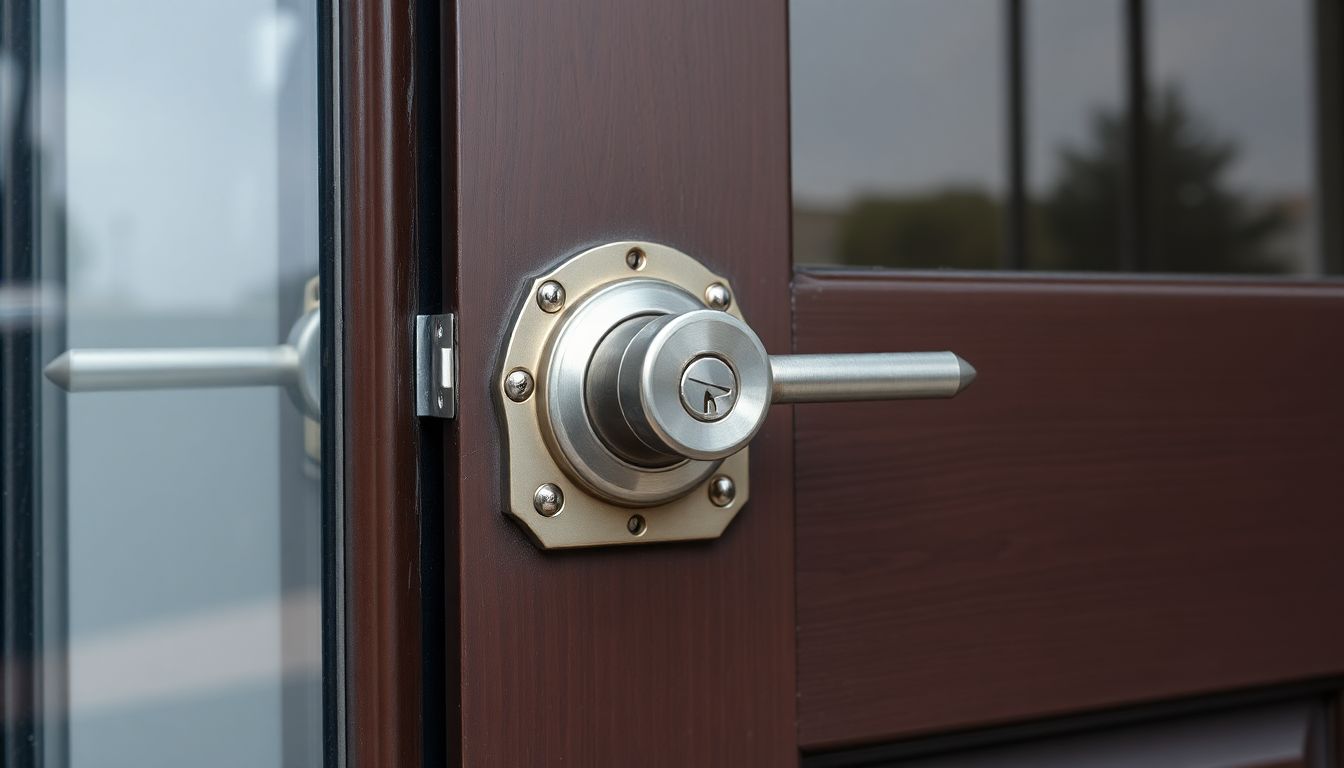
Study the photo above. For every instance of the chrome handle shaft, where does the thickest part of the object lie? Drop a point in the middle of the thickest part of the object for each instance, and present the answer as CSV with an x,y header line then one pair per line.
x,y
102,370
296,366
698,384
881,376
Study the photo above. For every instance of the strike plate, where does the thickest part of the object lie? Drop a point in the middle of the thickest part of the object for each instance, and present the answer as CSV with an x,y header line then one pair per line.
x,y
543,492
436,366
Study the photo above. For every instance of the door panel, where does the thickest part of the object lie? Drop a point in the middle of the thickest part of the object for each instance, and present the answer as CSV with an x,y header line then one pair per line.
x,y
1133,504
571,125
1138,499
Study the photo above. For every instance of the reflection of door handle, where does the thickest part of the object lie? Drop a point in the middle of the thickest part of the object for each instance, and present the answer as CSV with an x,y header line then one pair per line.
x,y
295,365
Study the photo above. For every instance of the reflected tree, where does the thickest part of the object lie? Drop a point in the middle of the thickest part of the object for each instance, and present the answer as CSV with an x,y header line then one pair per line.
x,y
955,227
1198,221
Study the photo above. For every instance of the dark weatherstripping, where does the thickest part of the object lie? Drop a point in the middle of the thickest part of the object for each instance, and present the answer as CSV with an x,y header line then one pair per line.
x,y
32,591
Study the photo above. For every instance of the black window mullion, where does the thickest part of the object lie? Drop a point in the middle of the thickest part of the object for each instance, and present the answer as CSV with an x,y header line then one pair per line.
x,y
21,638
1014,254
1135,224
1329,68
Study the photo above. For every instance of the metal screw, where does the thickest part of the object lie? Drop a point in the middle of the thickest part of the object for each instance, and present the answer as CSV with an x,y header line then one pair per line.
x,y
636,525
518,385
548,500
635,259
718,297
551,296
722,490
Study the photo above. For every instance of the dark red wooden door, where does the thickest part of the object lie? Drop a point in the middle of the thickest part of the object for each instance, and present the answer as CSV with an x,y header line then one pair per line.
x,y
1129,526
575,124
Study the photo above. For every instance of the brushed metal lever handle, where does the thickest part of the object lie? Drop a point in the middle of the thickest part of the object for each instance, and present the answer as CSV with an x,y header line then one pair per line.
x,y
295,365
103,370
869,376
696,385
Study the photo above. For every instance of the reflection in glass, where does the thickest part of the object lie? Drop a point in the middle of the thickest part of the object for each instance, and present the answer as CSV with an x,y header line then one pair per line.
x,y
897,148
1230,156
1075,82
181,153
1170,136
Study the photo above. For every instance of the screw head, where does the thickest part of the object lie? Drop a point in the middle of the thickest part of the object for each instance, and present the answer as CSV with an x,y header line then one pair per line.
x,y
551,296
718,297
635,259
518,385
548,500
722,490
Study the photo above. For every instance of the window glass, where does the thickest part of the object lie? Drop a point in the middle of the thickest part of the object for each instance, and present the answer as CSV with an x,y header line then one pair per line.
x,y
1174,136
178,188
897,151
1075,100
1231,154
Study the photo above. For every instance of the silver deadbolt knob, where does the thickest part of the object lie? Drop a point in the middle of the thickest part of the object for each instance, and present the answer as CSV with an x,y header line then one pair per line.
x,y
697,385
694,385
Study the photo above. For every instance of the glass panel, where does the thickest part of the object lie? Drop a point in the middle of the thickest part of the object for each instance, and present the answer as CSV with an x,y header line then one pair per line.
x,y
1231,155
897,147
178,189
1156,135
1076,102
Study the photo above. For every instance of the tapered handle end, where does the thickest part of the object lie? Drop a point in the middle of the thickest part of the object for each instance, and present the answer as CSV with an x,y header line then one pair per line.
x,y
59,371
967,374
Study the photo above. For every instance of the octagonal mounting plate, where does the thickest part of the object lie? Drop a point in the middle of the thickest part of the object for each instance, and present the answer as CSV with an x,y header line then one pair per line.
x,y
531,457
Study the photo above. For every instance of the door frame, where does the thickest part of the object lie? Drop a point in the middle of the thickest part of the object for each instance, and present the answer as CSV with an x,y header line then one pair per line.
x,y
383,698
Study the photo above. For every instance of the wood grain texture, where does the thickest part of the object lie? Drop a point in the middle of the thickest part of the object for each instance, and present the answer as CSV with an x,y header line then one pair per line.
x,y
575,124
381,502
1139,498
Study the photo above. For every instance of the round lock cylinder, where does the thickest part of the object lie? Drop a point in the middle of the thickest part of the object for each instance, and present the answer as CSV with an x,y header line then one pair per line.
x,y
668,391
582,420
693,385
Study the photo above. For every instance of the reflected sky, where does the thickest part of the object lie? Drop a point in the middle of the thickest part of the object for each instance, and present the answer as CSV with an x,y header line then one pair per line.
x,y
1075,66
171,151
894,94
1246,66
181,158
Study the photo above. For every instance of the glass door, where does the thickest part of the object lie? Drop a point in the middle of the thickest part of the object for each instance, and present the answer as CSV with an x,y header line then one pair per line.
x,y
162,383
